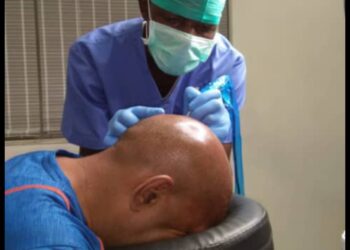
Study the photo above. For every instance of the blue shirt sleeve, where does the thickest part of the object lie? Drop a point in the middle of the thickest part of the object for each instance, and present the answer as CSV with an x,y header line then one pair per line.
x,y
39,219
53,247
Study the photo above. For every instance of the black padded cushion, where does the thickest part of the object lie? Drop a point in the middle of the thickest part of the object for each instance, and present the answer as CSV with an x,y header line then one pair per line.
x,y
246,227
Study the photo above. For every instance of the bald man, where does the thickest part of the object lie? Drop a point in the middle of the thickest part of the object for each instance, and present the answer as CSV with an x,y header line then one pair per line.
x,y
160,181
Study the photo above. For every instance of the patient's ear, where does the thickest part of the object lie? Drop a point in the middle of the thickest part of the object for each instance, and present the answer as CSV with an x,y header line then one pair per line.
x,y
150,191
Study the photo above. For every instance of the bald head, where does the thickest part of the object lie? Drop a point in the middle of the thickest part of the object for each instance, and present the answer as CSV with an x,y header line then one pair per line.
x,y
167,176
188,152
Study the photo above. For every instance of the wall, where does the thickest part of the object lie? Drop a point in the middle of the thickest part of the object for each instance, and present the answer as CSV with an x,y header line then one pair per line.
x,y
293,120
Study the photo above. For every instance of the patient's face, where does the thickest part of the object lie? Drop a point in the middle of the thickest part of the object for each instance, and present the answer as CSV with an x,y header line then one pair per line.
x,y
173,222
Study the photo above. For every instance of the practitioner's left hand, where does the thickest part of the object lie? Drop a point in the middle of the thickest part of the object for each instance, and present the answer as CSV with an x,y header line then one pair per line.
x,y
208,108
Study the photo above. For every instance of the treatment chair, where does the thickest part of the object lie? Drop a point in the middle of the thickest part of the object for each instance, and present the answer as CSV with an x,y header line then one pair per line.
x,y
246,227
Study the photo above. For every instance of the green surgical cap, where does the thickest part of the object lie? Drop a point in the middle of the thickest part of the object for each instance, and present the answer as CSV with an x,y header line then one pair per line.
x,y
205,11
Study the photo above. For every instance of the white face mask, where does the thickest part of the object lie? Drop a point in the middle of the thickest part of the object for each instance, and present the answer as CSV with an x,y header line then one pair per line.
x,y
176,52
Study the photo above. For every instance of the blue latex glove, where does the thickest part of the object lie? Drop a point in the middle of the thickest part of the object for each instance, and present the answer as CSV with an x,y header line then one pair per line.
x,y
208,108
125,118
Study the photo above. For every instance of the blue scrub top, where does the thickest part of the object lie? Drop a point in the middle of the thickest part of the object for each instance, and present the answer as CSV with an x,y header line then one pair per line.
x,y
108,71
41,208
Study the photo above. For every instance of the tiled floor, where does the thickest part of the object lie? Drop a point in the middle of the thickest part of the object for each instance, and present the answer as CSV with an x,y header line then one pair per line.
x,y
13,148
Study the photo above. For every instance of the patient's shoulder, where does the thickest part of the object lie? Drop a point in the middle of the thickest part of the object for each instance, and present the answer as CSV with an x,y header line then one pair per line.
x,y
39,219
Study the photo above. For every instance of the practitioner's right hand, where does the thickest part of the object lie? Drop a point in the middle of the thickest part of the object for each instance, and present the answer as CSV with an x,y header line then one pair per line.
x,y
125,118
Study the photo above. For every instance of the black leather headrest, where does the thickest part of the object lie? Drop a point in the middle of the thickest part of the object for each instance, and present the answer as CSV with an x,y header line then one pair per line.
x,y
246,227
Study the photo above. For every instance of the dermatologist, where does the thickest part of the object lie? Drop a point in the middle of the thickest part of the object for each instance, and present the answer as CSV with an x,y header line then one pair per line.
x,y
120,73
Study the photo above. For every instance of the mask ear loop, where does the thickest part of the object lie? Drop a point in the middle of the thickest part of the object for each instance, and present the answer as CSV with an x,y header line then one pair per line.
x,y
149,18
145,24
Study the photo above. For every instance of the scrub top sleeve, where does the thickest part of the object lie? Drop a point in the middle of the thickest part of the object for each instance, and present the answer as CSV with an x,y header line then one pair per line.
x,y
85,114
239,80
